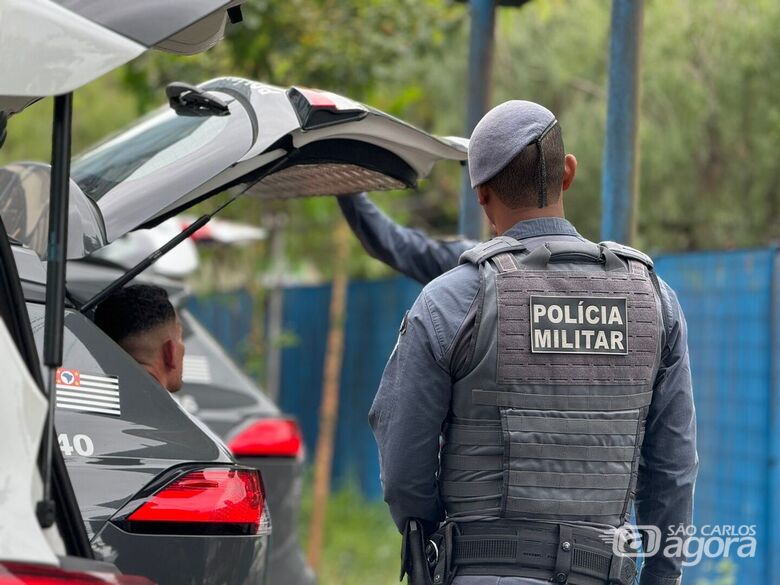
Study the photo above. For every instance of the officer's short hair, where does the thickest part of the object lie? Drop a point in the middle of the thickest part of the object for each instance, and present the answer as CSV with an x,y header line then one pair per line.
x,y
134,309
517,184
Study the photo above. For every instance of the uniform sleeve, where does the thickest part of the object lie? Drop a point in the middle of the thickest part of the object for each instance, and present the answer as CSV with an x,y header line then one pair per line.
x,y
409,251
669,462
407,416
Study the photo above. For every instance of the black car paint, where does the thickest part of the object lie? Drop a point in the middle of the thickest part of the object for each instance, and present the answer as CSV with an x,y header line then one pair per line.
x,y
152,435
228,403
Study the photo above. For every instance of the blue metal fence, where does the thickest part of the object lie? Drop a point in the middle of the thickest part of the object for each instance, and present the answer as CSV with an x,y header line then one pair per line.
x,y
375,311
730,300
228,317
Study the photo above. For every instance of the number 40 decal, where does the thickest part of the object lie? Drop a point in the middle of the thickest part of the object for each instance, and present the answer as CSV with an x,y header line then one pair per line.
x,y
82,445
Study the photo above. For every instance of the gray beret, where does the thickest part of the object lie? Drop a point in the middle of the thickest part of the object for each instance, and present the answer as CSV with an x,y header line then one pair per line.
x,y
501,134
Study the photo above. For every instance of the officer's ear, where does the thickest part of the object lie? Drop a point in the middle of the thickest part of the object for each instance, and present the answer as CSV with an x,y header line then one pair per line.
x,y
483,195
569,170
170,354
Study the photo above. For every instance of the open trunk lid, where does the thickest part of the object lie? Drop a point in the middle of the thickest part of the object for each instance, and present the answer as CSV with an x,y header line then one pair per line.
x,y
228,132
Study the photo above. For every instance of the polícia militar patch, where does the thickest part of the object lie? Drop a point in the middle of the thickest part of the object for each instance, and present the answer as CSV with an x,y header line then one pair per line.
x,y
592,325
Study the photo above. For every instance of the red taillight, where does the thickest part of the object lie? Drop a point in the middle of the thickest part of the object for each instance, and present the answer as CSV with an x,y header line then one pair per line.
x,y
317,109
215,500
270,437
316,98
28,574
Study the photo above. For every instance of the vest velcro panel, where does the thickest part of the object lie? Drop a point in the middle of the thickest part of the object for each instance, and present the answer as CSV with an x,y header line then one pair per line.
x,y
554,434
517,363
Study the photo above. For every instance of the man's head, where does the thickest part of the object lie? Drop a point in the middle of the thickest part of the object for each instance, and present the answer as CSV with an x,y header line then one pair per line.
x,y
518,164
142,320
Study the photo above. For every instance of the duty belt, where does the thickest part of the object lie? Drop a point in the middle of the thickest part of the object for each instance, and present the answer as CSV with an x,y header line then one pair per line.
x,y
559,553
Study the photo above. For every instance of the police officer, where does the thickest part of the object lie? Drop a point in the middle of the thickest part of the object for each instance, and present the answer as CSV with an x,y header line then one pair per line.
x,y
537,390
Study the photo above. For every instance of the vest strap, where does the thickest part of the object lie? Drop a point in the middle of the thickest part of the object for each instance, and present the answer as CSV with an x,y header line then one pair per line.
x,y
628,252
571,426
472,462
571,452
541,551
561,401
549,479
552,252
505,262
564,554
486,250
470,435
460,489
568,508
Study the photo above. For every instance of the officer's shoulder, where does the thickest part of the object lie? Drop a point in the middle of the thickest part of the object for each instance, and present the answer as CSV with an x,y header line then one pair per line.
x,y
447,300
460,278
452,292
628,252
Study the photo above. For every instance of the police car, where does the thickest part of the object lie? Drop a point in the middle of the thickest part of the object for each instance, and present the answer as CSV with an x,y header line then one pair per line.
x,y
42,536
134,455
217,392
52,48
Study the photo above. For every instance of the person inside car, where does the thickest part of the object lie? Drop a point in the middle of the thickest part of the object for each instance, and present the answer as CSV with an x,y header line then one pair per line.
x,y
142,320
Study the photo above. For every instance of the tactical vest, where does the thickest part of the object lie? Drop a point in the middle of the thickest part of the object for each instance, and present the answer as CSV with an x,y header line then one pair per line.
x,y
549,422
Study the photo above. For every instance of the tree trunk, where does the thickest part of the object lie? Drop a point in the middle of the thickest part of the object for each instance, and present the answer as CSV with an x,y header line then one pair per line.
x,y
334,352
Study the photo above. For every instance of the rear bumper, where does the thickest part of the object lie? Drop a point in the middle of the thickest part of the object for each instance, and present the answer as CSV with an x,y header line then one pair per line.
x,y
283,480
184,560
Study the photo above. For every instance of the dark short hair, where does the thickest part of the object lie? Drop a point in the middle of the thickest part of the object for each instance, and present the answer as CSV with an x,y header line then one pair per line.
x,y
517,184
134,309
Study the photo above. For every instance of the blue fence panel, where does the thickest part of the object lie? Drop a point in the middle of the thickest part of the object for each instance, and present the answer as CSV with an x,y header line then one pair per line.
x,y
773,542
374,313
228,317
727,300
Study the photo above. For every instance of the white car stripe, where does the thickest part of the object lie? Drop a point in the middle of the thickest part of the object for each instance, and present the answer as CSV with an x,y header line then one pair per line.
x,y
83,389
88,409
65,393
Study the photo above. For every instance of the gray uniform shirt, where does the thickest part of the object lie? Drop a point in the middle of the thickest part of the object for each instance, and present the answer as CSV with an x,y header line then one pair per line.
x,y
414,395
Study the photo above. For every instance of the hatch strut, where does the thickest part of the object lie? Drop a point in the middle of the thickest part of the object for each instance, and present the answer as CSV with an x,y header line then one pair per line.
x,y
54,323
176,240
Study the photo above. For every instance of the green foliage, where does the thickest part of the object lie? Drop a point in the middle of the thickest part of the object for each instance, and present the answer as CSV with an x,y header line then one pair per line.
x,y
723,573
362,545
709,117
99,109
709,125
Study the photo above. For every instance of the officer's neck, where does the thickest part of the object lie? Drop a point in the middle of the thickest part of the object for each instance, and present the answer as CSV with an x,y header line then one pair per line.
x,y
508,217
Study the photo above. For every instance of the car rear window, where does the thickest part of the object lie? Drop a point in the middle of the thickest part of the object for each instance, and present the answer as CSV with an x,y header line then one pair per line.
x,y
159,141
